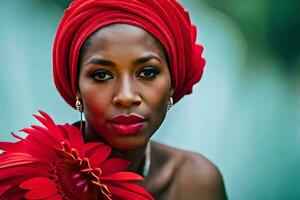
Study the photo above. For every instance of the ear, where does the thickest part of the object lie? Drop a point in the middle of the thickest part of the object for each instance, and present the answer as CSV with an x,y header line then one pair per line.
x,y
171,92
78,95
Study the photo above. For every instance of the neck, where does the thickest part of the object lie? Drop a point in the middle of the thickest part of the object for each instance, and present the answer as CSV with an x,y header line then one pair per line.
x,y
135,157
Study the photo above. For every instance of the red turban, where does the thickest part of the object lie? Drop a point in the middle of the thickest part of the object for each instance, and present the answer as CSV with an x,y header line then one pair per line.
x,y
166,20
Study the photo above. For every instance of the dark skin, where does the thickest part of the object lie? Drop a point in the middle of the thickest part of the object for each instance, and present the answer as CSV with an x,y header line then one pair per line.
x,y
124,70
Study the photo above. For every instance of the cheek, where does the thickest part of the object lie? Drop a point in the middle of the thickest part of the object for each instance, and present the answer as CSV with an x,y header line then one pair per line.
x,y
160,91
95,100
157,99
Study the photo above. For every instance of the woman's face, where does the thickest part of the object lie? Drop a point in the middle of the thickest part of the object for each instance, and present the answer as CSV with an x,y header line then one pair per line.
x,y
124,84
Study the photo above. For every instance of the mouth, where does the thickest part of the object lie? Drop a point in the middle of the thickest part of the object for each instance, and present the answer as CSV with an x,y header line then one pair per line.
x,y
127,124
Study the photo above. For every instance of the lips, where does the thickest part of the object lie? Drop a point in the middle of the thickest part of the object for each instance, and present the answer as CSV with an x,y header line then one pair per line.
x,y
127,124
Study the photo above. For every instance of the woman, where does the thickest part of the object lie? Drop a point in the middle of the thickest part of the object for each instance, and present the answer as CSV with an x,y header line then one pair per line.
x,y
123,64
127,61
125,98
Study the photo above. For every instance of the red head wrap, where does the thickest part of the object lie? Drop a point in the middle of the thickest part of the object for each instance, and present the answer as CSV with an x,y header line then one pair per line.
x,y
166,20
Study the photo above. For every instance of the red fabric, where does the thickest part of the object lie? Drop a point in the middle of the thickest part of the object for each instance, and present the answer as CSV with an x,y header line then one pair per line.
x,y
166,20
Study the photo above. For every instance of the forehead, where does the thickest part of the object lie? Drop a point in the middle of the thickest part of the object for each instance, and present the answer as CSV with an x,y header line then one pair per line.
x,y
122,37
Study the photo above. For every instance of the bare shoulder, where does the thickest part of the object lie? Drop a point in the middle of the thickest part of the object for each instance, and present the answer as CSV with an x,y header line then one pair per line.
x,y
201,177
196,176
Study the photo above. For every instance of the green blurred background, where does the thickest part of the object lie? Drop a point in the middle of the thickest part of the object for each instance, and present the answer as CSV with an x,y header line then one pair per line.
x,y
244,115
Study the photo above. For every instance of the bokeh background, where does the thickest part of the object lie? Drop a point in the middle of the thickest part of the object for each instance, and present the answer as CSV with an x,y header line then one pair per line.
x,y
244,115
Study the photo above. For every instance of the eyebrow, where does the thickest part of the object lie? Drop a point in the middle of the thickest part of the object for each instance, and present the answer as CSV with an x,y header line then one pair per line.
x,y
100,61
146,59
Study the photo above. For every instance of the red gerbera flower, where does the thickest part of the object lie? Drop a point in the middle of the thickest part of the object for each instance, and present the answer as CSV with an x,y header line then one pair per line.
x,y
53,163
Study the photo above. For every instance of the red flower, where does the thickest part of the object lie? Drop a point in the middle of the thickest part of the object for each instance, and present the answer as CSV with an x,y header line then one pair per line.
x,y
53,163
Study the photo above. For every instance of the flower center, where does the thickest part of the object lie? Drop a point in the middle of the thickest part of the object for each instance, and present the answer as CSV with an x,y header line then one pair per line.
x,y
75,179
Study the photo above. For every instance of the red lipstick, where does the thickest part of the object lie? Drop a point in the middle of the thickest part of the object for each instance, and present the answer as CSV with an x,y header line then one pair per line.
x,y
127,124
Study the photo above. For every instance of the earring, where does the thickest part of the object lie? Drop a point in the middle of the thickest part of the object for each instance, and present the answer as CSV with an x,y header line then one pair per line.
x,y
78,105
79,108
170,103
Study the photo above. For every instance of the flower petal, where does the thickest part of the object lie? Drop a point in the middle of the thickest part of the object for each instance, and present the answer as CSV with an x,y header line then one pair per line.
x,y
75,138
137,189
126,194
8,160
44,137
41,193
38,149
46,120
11,146
64,133
13,193
55,197
100,155
40,128
16,136
38,182
4,188
90,147
114,165
123,176
18,174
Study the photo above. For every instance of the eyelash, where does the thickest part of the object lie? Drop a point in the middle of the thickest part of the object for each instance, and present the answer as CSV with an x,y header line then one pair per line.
x,y
95,75
152,72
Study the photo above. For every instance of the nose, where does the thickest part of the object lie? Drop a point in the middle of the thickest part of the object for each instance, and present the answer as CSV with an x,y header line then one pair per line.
x,y
127,94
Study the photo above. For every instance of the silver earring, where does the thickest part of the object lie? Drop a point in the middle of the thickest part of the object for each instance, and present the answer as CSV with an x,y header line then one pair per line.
x,y
78,105
79,108
170,103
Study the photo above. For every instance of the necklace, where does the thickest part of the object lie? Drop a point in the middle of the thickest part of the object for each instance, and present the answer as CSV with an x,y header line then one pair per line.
x,y
147,164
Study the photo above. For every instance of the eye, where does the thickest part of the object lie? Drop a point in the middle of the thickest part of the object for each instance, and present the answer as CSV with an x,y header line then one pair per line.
x,y
148,72
102,75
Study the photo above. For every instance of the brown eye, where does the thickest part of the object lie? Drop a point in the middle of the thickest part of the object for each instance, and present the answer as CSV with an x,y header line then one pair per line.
x,y
101,75
148,72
